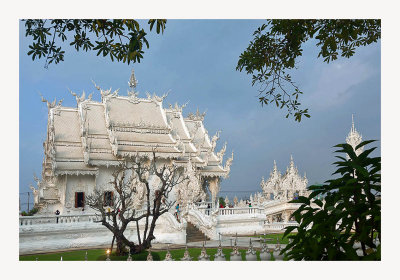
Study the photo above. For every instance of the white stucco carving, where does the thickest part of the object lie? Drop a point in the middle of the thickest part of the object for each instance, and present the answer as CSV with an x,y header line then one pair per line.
x,y
286,186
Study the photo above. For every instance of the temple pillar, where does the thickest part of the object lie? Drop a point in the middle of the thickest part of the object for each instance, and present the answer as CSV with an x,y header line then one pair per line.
x,y
214,189
286,216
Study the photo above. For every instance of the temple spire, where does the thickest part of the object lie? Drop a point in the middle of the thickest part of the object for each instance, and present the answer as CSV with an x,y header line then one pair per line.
x,y
354,138
132,81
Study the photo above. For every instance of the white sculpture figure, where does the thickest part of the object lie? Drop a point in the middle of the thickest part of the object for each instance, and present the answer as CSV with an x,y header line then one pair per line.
x,y
129,259
219,256
235,255
214,140
104,93
168,256
277,255
259,199
51,105
140,195
86,256
186,255
251,254
203,255
226,202
264,252
235,201
354,138
276,252
149,256
81,98
35,194
220,154
228,164
190,190
197,116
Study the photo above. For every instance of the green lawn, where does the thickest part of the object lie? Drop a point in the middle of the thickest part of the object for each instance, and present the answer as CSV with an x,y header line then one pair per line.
x,y
274,236
282,240
100,255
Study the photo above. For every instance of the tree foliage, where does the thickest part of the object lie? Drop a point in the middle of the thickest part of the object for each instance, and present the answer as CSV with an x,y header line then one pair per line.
x,y
277,46
119,39
136,200
349,215
221,201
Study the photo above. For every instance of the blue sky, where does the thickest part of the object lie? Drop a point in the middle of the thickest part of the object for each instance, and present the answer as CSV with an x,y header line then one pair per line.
x,y
196,60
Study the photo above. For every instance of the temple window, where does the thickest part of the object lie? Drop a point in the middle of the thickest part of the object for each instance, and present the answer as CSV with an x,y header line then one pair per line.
x,y
108,198
79,199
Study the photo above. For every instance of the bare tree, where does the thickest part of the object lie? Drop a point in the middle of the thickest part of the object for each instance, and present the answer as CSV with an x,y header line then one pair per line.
x,y
136,199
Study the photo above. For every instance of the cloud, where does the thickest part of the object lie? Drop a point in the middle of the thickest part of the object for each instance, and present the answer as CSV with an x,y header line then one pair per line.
x,y
333,82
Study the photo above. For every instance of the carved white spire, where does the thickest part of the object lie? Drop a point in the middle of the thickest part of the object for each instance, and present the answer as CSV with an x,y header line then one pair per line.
x,y
133,95
354,138
283,187
275,170
196,117
132,81
291,162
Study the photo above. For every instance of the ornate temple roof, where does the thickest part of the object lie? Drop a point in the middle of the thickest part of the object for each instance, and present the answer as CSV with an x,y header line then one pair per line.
x,y
280,184
99,133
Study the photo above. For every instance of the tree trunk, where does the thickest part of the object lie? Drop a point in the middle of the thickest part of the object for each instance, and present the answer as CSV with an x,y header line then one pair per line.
x,y
146,243
120,247
112,243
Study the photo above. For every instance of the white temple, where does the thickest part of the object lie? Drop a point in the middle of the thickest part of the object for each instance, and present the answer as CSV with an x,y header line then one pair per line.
x,y
82,149
83,146
284,187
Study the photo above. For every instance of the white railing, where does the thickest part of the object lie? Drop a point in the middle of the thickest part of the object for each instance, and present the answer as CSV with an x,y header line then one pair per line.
x,y
278,226
205,210
240,210
279,207
204,204
62,219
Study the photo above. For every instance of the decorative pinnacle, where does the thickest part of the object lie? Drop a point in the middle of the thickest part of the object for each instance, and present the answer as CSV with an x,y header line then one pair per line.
x,y
132,81
353,128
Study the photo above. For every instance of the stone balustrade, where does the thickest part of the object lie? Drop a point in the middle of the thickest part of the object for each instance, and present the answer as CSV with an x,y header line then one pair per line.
x,y
278,226
240,210
278,207
74,218
204,209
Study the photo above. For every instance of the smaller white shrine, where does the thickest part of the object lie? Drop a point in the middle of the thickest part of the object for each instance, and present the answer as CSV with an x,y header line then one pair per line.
x,y
284,187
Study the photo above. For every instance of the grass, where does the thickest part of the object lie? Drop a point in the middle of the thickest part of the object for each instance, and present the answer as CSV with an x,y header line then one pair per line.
x,y
100,255
274,236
